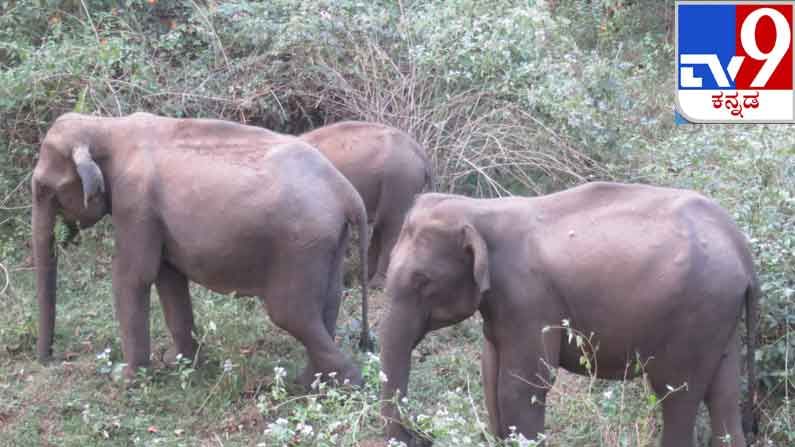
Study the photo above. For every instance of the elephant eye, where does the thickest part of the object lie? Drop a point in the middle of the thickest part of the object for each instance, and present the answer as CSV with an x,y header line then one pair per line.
x,y
420,281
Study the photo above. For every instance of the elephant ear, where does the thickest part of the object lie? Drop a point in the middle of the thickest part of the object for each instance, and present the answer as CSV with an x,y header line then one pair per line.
x,y
474,243
90,175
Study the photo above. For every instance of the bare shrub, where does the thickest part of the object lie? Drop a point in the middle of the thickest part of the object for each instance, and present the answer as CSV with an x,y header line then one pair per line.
x,y
479,144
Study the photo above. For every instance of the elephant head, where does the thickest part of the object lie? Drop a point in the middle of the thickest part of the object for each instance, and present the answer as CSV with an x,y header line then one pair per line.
x,y
67,180
438,275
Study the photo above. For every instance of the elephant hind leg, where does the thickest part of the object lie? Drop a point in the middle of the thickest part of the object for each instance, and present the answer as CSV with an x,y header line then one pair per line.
x,y
331,308
723,396
297,302
324,355
373,252
681,392
331,304
679,420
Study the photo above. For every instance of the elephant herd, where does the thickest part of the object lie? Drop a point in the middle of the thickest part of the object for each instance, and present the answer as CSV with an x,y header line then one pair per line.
x,y
660,277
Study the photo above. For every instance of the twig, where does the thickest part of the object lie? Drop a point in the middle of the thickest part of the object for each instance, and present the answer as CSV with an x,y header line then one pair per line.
x,y
210,394
99,42
91,22
7,277
488,178
13,191
481,426
12,208
209,23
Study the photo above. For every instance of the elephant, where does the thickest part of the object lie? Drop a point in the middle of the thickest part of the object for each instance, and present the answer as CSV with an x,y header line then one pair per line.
x,y
387,167
658,276
235,208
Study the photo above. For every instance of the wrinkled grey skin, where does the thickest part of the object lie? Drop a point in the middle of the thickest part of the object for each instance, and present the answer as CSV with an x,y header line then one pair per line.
x,y
234,208
658,275
387,167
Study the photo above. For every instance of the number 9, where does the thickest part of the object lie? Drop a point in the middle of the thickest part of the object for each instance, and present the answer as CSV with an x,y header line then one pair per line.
x,y
780,48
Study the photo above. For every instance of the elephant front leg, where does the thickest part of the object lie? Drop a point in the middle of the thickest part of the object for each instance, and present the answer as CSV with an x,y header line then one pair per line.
x,y
488,370
172,287
131,300
524,377
135,267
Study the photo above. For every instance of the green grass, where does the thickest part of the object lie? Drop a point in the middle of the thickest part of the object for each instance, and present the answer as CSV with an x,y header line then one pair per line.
x,y
76,401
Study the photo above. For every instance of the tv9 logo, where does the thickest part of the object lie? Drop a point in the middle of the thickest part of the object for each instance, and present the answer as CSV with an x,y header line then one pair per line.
x,y
734,61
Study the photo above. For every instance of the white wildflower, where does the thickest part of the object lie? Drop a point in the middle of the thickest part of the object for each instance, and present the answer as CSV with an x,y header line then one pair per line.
x,y
304,429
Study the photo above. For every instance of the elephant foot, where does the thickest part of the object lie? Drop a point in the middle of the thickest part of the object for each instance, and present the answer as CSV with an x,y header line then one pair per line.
x,y
130,376
367,344
353,377
171,354
43,356
411,438
420,442
378,281
305,379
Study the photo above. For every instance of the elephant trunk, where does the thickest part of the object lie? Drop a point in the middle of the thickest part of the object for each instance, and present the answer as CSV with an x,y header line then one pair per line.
x,y
43,223
402,331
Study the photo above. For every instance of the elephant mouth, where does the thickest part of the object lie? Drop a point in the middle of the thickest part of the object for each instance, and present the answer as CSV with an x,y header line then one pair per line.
x,y
83,220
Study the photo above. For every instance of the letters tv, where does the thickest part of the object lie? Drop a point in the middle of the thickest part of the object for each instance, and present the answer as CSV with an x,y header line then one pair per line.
x,y
735,61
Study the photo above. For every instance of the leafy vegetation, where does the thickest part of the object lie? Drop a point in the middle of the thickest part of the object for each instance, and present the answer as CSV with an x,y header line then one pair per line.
x,y
507,96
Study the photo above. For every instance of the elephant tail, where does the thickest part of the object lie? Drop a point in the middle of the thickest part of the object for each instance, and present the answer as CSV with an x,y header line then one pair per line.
x,y
429,177
426,162
357,215
752,296
422,155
